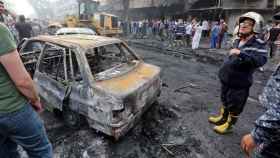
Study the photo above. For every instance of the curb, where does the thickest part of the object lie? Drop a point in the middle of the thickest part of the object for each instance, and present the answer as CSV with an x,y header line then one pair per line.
x,y
203,55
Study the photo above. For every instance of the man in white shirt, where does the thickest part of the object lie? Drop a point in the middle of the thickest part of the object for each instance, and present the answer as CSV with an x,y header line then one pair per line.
x,y
205,28
188,34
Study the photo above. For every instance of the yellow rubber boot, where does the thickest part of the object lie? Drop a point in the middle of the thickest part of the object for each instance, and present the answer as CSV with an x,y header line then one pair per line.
x,y
227,126
219,119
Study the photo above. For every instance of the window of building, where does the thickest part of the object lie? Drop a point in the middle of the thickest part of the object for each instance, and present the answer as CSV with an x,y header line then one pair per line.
x,y
270,4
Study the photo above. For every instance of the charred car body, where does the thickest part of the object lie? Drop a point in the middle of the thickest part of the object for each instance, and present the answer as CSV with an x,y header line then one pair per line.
x,y
99,78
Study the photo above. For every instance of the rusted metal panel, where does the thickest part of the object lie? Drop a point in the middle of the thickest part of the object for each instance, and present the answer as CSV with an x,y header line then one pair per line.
x,y
52,92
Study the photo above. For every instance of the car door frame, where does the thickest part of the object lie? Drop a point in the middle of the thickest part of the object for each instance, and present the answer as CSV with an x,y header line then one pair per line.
x,y
51,91
30,65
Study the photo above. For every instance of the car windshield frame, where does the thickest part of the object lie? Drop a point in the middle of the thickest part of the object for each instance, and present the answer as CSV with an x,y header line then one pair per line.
x,y
105,74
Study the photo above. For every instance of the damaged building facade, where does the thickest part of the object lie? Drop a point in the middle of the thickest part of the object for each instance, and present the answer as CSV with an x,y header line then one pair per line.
x,y
151,9
230,10
184,9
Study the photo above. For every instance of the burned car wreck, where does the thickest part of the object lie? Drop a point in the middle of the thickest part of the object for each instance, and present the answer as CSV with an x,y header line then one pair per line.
x,y
97,78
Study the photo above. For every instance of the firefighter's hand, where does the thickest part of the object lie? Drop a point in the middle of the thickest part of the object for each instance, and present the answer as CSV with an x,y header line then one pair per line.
x,y
234,51
248,144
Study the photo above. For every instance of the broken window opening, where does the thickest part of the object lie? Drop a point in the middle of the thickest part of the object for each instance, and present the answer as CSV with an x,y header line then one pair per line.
x,y
106,57
33,46
53,63
30,54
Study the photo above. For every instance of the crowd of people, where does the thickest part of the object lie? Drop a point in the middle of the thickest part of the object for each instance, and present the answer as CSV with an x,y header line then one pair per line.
x,y
180,32
20,26
190,33
19,100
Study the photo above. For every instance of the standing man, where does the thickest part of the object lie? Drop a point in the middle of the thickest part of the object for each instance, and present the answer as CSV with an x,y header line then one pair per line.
x,y
223,30
19,123
236,74
197,36
24,29
214,34
188,34
180,32
273,35
205,28
4,13
265,137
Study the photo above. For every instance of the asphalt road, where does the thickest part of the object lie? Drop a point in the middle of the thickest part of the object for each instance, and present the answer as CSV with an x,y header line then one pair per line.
x,y
176,127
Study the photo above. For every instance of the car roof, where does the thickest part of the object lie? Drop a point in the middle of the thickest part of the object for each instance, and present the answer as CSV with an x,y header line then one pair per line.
x,y
76,30
83,41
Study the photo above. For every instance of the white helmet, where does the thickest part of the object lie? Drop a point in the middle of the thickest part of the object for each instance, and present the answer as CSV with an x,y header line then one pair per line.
x,y
259,21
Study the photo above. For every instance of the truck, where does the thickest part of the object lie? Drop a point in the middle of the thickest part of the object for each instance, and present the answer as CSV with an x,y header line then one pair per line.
x,y
102,23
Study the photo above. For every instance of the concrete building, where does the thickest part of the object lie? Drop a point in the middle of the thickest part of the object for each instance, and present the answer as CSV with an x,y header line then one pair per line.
x,y
202,9
139,9
230,10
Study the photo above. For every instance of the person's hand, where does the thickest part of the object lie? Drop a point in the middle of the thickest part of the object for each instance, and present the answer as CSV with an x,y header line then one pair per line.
x,y
248,144
37,106
234,51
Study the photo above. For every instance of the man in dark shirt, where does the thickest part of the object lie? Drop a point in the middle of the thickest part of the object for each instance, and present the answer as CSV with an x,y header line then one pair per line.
x,y
24,29
264,139
223,29
236,74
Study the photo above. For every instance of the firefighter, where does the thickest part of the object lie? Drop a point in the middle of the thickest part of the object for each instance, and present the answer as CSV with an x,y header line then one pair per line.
x,y
236,73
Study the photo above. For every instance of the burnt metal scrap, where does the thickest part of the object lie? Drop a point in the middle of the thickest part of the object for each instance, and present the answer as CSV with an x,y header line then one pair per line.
x,y
93,78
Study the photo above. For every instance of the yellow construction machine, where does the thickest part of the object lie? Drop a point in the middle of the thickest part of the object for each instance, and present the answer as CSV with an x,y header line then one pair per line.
x,y
104,24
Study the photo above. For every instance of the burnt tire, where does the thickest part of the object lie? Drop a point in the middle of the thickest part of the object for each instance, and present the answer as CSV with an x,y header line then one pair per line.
x,y
72,119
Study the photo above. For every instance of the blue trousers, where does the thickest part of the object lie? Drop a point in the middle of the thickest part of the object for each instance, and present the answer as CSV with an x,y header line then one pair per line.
x,y
24,128
214,40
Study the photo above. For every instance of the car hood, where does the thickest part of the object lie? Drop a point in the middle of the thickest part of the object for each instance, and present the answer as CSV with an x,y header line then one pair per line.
x,y
141,76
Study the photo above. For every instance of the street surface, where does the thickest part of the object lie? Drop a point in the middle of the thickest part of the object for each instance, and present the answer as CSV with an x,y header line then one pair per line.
x,y
175,127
